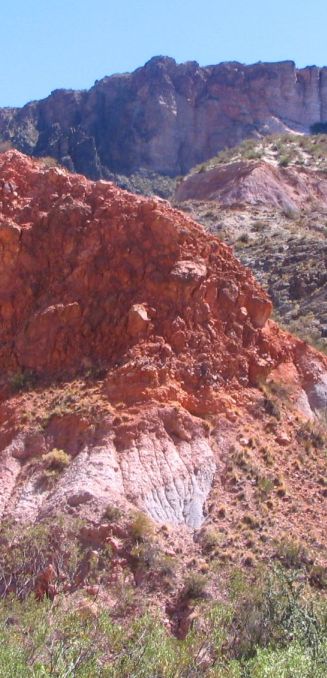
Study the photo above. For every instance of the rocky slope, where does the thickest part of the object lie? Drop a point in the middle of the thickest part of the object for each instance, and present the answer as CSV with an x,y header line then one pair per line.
x,y
164,118
140,371
268,199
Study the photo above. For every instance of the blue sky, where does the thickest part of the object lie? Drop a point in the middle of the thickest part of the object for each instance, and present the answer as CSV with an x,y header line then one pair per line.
x,y
46,44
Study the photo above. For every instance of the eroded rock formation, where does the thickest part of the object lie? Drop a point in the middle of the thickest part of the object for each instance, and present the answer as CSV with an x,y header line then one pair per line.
x,y
256,182
166,117
142,343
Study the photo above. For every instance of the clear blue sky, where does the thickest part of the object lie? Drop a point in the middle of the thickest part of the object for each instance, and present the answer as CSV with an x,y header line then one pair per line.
x,y
46,44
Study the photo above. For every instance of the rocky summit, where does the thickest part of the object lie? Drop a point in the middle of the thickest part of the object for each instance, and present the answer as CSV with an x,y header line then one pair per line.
x,y
166,117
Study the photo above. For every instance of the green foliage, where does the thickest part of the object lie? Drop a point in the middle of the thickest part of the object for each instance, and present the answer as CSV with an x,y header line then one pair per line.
x,y
268,630
112,513
24,556
292,661
56,460
265,486
284,161
291,552
141,526
195,586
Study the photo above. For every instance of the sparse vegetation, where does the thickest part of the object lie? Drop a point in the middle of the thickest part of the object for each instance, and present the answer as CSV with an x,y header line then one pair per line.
x,y
56,460
291,552
285,150
195,586
265,486
284,161
141,526
112,513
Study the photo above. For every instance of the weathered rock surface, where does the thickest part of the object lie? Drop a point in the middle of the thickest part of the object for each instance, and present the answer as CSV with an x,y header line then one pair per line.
x,y
275,217
256,182
166,117
141,342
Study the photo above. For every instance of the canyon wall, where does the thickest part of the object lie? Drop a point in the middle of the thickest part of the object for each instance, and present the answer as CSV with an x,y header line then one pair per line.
x,y
166,117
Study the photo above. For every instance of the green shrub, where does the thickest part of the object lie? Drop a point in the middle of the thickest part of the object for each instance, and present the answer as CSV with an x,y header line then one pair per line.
x,y
22,381
195,586
112,513
210,539
265,486
291,552
141,526
284,161
293,661
56,460
267,628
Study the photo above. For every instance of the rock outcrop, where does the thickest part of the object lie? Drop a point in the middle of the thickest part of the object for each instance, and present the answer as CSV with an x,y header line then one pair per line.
x,y
256,182
268,198
135,343
166,117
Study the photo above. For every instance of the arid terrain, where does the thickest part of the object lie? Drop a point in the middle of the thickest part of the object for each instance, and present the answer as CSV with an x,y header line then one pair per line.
x,y
141,376
268,199
163,434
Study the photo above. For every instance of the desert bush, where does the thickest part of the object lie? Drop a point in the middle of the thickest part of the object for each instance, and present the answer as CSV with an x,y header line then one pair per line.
x,y
243,239
291,552
259,226
141,526
112,513
56,460
265,486
271,407
318,576
275,613
22,381
49,161
25,555
195,586
284,161
209,539
266,630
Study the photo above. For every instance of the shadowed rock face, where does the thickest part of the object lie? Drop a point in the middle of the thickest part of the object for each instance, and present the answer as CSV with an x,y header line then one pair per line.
x,y
91,276
166,117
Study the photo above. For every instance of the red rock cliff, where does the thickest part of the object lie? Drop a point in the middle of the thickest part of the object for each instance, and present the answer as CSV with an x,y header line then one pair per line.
x,y
93,277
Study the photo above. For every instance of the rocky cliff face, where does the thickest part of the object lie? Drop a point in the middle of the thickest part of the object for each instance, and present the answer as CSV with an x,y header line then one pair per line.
x,y
166,117
136,344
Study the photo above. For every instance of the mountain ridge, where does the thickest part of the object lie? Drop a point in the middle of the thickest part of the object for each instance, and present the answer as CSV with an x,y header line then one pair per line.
x,y
166,117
